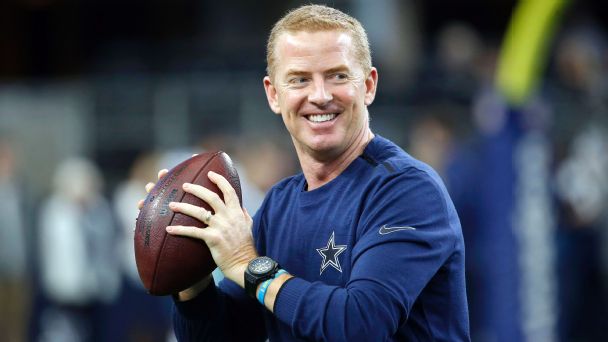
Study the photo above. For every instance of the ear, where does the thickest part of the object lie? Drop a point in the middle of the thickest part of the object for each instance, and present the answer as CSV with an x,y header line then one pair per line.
x,y
271,95
371,83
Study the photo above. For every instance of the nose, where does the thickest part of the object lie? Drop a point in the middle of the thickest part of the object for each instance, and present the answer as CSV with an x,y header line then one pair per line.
x,y
319,94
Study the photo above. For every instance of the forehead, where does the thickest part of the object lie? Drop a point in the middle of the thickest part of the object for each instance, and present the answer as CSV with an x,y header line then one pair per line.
x,y
314,48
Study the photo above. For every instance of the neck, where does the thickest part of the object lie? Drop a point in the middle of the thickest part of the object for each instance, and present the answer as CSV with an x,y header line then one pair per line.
x,y
321,170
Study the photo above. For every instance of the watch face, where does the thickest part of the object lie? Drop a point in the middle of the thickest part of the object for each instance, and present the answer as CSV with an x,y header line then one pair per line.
x,y
261,265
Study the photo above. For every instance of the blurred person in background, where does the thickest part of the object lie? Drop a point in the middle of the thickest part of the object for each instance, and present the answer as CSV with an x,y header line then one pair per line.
x,y
582,191
14,278
78,256
579,95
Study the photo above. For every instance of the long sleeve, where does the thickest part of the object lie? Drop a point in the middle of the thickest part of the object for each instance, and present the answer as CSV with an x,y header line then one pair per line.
x,y
219,314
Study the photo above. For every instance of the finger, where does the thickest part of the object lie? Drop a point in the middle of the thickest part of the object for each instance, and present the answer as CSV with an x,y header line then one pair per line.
x,y
140,204
162,173
193,232
206,195
149,187
230,197
191,210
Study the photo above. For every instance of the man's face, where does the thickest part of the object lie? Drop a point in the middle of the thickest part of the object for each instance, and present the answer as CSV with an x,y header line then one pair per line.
x,y
321,91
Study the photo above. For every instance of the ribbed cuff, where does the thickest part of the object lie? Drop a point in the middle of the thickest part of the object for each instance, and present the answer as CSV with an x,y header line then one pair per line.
x,y
288,298
196,307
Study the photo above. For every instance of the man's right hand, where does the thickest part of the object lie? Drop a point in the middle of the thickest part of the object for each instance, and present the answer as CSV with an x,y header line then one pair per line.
x,y
197,288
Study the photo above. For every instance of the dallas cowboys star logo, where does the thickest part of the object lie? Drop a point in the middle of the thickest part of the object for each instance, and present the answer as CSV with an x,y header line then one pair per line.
x,y
330,255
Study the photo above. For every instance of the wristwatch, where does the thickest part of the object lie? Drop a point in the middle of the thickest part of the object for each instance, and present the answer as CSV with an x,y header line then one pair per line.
x,y
259,270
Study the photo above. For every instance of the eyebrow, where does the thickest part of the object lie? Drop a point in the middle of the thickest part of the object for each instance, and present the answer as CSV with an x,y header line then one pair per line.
x,y
339,68
296,72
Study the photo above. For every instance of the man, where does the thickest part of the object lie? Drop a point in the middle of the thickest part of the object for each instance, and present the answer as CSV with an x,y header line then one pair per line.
x,y
368,242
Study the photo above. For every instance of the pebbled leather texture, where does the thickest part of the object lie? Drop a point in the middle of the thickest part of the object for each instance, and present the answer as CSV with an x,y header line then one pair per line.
x,y
168,264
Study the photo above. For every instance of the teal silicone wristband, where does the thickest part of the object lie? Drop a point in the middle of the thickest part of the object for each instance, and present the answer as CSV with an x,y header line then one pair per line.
x,y
263,289
265,285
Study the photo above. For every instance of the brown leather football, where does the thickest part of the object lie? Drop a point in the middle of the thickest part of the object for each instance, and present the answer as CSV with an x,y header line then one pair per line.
x,y
168,264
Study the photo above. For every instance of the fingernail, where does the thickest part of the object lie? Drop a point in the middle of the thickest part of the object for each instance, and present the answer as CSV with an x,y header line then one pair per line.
x,y
186,185
169,229
172,205
212,173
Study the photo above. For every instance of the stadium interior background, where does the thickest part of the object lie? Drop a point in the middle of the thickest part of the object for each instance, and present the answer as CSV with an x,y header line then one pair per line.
x,y
95,96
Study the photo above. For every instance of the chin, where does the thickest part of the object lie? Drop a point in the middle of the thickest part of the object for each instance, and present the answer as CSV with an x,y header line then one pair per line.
x,y
325,146
323,141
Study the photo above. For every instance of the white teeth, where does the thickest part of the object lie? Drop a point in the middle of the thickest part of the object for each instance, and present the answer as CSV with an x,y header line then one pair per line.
x,y
321,117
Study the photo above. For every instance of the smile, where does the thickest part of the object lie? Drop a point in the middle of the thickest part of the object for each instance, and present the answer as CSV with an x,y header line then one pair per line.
x,y
321,117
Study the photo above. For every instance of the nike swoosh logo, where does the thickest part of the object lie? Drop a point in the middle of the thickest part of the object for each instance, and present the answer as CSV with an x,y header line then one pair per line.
x,y
387,230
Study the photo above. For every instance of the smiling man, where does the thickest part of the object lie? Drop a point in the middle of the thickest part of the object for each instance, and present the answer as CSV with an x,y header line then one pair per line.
x,y
363,245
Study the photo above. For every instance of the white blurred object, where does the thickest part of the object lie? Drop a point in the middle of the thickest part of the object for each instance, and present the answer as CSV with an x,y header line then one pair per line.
x,y
77,238
582,179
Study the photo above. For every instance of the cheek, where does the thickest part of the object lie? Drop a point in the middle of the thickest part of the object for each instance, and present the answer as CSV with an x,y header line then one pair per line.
x,y
349,94
291,101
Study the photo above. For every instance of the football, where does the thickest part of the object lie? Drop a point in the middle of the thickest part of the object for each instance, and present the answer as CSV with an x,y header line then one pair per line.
x,y
168,264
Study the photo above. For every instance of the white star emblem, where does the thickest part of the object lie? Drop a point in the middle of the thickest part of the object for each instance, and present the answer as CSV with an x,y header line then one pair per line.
x,y
330,255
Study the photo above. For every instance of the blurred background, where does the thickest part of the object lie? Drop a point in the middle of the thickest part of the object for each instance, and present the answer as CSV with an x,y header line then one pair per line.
x,y
507,100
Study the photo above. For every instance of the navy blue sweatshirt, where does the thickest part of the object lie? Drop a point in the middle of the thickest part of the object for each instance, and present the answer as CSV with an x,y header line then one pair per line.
x,y
377,253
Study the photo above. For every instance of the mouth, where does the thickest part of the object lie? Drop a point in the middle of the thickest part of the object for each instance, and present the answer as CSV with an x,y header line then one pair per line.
x,y
318,118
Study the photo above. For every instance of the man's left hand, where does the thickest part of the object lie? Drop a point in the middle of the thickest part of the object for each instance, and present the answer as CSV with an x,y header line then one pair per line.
x,y
228,234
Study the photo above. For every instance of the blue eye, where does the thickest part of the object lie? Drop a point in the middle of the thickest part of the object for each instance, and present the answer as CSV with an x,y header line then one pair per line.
x,y
339,76
298,80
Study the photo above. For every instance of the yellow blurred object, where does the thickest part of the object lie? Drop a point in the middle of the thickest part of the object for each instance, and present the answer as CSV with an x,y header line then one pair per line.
x,y
523,54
